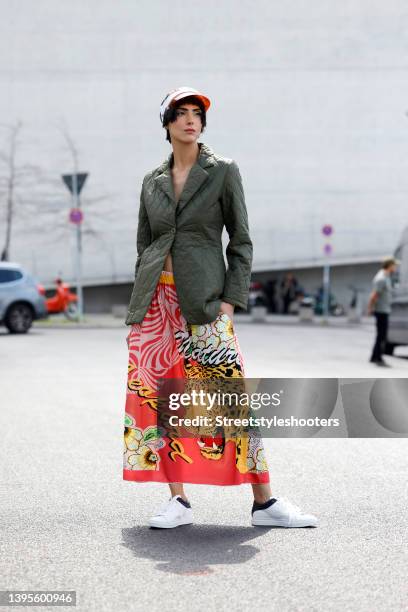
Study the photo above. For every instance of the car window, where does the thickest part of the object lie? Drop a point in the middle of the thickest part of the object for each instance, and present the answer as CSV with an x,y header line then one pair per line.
x,y
8,275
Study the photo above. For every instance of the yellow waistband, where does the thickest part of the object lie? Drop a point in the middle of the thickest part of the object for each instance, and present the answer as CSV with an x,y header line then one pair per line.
x,y
166,277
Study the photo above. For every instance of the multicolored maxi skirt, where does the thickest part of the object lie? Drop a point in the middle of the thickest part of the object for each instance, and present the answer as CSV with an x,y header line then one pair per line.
x,y
165,346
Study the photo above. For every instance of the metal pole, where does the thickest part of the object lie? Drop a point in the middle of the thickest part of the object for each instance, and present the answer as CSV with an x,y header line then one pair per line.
x,y
326,292
77,204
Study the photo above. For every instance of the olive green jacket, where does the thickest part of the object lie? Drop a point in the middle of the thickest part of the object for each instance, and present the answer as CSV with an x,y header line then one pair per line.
x,y
191,231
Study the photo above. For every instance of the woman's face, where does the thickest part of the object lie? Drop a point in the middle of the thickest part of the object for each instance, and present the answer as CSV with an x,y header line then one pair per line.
x,y
187,126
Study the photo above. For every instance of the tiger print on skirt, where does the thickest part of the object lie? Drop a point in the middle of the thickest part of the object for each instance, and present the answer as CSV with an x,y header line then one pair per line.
x,y
164,346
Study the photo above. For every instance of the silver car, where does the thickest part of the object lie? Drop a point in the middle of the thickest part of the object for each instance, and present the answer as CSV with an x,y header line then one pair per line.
x,y
21,299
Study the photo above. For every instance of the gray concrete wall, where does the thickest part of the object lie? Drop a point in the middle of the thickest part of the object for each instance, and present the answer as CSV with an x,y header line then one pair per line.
x,y
309,98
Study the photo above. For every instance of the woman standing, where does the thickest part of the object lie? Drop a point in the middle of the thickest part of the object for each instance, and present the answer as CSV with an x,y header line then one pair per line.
x,y
181,317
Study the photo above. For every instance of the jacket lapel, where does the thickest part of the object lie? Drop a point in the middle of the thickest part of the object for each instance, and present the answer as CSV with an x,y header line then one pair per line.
x,y
196,177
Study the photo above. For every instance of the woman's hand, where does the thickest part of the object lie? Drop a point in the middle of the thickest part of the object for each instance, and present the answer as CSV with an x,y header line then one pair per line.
x,y
227,308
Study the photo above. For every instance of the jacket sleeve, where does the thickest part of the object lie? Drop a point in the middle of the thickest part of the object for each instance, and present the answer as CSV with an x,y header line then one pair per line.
x,y
239,249
144,236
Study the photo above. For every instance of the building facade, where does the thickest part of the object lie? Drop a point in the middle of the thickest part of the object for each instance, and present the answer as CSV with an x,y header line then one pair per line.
x,y
309,99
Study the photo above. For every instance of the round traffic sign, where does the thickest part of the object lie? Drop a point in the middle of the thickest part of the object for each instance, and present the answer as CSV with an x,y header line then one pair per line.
x,y
76,215
327,230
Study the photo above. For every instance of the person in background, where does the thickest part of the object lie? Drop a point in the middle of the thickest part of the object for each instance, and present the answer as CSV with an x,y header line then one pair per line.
x,y
380,304
271,294
289,287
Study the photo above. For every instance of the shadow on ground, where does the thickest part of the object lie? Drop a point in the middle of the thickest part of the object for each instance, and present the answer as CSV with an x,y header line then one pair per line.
x,y
192,549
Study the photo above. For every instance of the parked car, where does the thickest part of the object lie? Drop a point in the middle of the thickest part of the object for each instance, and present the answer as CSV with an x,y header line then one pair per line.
x,y
398,323
256,295
21,300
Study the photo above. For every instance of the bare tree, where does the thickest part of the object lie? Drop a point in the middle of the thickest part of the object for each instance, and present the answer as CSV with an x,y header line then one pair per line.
x,y
14,179
37,197
30,193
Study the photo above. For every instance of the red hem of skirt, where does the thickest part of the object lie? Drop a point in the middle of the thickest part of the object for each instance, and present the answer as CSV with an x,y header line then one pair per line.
x,y
153,476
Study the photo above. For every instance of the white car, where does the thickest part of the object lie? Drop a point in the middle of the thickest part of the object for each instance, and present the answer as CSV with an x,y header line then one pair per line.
x,y
21,301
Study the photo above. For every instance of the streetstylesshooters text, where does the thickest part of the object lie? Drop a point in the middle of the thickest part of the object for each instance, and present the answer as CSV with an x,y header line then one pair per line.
x,y
253,401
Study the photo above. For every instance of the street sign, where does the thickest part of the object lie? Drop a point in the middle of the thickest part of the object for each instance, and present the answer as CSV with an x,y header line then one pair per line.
x,y
76,215
75,183
80,180
327,231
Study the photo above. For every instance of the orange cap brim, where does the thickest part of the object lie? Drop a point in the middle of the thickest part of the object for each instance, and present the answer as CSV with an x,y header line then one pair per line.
x,y
206,101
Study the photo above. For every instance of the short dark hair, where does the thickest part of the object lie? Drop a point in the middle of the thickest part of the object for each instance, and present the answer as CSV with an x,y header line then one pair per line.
x,y
388,262
171,113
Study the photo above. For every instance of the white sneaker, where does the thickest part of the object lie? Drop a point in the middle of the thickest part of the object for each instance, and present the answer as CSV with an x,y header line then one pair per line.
x,y
172,514
282,513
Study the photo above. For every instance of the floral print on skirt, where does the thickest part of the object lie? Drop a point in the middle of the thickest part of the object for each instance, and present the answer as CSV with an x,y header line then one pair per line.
x,y
164,346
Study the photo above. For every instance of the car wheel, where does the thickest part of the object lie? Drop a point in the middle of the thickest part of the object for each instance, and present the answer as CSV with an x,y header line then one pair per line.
x,y
19,318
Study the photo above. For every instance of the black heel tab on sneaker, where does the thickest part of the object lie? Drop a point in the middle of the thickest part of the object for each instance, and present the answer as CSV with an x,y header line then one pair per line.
x,y
184,502
256,506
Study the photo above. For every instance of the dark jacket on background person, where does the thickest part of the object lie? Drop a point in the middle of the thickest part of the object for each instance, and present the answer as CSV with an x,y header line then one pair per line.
x,y
191,231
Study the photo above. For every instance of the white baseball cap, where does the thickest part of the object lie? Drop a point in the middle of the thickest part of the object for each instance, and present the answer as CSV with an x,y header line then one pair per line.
x,y
179,94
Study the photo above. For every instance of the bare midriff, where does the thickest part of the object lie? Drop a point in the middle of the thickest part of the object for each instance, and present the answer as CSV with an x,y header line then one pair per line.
x,y
179,179
168,264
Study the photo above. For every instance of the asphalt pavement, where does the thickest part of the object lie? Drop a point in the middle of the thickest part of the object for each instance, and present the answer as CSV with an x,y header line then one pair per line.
x,y
69,521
